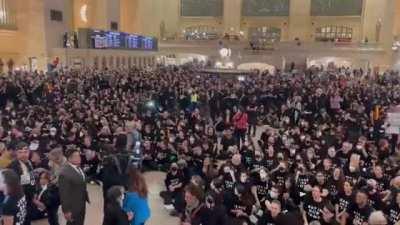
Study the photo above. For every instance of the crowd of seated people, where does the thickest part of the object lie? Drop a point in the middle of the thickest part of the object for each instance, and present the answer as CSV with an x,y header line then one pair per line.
x,y
322,158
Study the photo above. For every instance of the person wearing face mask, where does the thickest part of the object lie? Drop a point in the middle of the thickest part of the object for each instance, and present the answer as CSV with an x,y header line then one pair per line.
x,y
260,187
174,183
114,214
228,177
279,174
257,164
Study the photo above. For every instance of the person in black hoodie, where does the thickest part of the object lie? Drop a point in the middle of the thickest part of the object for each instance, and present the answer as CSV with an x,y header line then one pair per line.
x,y
114,214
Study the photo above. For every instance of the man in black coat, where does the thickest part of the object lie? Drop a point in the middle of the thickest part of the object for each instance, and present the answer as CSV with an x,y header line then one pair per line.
x,y
73,191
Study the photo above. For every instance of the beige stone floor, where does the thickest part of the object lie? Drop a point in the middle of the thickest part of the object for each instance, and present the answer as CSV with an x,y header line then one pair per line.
x,y
94,215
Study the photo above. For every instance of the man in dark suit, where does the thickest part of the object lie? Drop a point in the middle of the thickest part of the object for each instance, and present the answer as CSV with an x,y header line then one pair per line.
x,y
73,191
23,167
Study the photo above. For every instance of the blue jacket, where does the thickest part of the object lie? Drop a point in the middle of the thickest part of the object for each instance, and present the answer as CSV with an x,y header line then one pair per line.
x,y
138,206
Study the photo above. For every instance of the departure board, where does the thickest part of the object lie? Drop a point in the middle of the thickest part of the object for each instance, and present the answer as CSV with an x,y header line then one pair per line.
x,y
132,41
118,40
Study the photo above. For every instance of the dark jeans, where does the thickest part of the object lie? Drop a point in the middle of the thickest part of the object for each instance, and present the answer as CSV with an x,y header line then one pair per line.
x,y
53,216
240,135
252,127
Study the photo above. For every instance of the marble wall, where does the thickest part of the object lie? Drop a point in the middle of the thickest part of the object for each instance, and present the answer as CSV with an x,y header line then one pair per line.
x,y
36,35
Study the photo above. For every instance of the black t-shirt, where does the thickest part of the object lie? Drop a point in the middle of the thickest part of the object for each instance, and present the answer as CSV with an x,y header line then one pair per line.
x,y
171,179
313,209
255,165
383,183
344,201
302,181
359,215
393,212
344,158
228,181
226,142
271,162
262,187
16,207
279,177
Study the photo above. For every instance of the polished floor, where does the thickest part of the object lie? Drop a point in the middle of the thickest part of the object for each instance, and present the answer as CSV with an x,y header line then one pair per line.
x,y
94,215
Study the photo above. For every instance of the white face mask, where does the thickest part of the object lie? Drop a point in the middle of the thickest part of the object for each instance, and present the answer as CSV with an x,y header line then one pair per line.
x,y
33,146
227,170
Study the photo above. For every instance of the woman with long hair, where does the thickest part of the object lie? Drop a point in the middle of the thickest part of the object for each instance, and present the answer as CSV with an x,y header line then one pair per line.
x,y
114,214
136,200
14,205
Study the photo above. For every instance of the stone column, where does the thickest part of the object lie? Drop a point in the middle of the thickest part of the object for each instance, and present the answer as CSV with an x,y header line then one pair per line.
x,y
300,20
232,16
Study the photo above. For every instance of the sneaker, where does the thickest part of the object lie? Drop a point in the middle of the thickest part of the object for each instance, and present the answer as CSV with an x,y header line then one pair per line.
x,y
169,207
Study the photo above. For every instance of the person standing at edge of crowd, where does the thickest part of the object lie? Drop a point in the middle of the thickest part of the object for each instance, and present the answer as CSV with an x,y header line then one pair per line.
x,y
136,201
73,191
23,167
240,121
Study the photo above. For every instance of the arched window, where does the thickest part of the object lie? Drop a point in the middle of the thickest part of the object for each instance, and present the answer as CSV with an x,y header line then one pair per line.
x,y
332,33
8,14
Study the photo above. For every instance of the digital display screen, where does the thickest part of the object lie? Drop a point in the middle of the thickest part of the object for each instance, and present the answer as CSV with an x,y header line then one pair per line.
x,y
118,40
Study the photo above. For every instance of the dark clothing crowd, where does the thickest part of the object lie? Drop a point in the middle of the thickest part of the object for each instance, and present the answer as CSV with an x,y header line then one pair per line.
x,y
305,147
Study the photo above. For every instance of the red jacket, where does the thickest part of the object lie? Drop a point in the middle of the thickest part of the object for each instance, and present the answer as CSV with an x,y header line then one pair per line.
x,y
240,121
